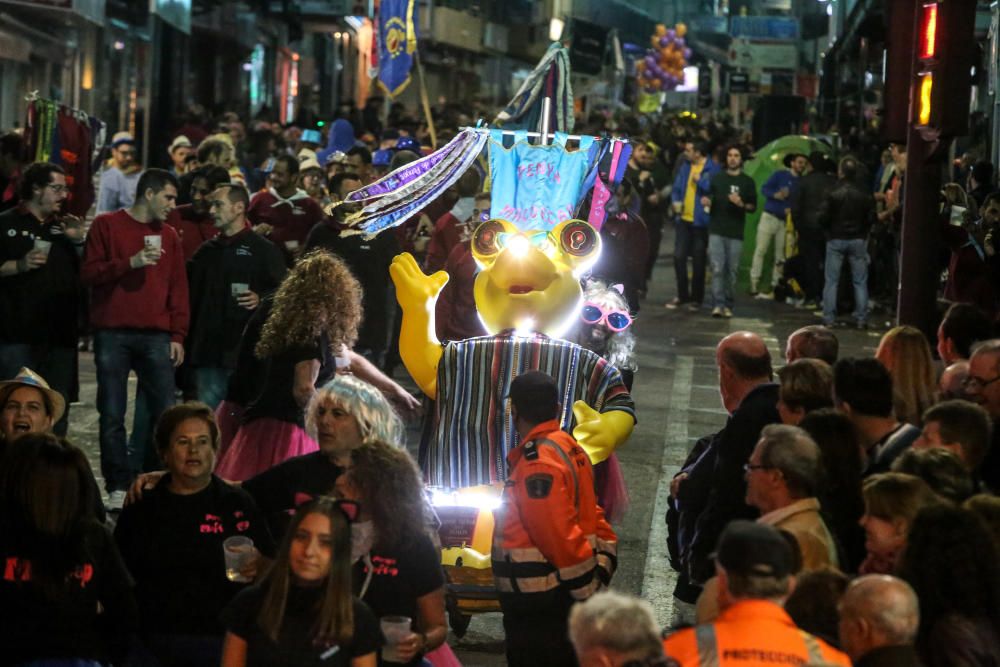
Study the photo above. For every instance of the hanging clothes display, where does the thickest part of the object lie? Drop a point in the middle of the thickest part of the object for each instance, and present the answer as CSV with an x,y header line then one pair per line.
x,y
537,186
71,139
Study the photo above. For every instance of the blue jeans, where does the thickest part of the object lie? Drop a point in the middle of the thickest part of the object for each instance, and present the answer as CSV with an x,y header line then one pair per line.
x,y
724,256
56,365
116,352
212,384
856,252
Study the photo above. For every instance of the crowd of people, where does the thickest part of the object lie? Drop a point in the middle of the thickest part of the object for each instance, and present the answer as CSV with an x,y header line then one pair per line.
x,y
845,513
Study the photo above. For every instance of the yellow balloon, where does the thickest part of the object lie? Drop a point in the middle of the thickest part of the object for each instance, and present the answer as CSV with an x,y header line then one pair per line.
x,y
680,29
661,30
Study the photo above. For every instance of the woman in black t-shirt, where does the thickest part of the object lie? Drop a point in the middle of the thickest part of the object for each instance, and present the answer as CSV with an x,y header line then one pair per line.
x,y
313,318
64,591
302,614
172,541
397,568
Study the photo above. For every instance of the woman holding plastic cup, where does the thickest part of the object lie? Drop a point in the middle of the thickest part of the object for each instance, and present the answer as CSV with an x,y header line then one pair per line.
x,y
302,612
397,569
178,543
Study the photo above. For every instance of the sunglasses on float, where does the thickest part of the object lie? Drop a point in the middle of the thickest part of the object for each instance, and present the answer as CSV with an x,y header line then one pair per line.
x,y
616,320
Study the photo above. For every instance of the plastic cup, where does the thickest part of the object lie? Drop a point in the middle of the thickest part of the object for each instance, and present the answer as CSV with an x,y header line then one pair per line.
x,y
238,551
239,289
44,246
395,629
153,241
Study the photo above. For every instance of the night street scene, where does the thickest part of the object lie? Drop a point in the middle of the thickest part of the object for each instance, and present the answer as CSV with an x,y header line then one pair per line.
x,y
541,333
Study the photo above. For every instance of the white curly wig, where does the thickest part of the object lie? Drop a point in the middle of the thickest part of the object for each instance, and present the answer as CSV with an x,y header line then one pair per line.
x,y
620,348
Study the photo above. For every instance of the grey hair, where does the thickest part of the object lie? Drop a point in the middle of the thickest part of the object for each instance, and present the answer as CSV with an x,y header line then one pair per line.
x,y
791,450
618,622
375,416
888,603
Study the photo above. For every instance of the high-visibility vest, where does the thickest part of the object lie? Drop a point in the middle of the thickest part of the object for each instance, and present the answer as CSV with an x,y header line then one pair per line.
x,y
550,533
750,633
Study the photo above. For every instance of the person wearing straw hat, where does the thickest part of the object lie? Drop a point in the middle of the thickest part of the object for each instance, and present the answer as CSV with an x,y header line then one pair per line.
x,y
28,405
118,181
311,178
179,150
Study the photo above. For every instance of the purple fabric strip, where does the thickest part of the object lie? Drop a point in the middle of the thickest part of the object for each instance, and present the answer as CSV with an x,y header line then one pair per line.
x,y
410,172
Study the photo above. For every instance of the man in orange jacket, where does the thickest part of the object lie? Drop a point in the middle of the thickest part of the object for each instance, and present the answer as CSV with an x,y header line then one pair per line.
x,y
754,565
551,544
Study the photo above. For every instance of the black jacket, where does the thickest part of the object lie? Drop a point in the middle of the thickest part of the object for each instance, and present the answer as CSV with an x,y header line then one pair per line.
x,y
847,212
217,321
727,496
38,307
808,198
890,656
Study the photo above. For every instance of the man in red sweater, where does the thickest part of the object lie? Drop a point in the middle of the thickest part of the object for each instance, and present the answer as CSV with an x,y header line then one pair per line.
x,y
134,264
284,213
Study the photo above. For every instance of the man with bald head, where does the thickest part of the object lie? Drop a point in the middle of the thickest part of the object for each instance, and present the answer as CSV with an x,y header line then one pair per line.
x,y
879,617
951,384
710,491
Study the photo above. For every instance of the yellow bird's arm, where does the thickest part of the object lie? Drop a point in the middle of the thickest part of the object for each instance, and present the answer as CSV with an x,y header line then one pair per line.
x,y
600,433
417,293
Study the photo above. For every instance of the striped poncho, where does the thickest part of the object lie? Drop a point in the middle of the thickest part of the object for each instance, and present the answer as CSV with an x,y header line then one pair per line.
x,y
474,429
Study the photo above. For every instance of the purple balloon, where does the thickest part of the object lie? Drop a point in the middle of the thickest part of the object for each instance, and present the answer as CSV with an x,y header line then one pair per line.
x,y
650,62
664,42
687,53
671,33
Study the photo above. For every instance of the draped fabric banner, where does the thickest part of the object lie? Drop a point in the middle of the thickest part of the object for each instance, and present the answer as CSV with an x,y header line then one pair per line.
x,y
550,78
397,42
537,187
397,196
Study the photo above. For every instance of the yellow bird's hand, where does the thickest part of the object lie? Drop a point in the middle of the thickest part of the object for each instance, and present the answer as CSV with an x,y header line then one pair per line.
x,y
414,288
600,433
417,294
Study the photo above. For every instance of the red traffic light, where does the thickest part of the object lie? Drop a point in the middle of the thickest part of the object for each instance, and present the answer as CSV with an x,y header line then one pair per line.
x,y
927,38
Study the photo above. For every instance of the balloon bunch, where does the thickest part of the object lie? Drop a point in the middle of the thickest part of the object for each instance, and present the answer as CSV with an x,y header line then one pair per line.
x,y
663,66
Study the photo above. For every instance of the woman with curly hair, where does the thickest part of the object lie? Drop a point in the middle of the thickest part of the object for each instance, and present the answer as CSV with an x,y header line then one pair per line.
x,y
953,565
906,354
306,331
398,568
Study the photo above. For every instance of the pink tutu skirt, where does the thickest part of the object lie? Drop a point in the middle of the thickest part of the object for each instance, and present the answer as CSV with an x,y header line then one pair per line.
x,y
228,416
612,494
262,444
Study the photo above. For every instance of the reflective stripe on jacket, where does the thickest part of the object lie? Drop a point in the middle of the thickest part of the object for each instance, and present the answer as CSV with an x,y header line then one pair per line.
x,y
750,633
550,533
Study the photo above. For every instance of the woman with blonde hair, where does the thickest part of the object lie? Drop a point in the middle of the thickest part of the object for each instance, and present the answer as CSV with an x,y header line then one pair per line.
x,y
906,354
306,330
892,502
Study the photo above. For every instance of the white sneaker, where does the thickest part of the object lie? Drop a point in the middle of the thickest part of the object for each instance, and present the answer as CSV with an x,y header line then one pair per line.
x,y
765,295
727,313
116,501
717,311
